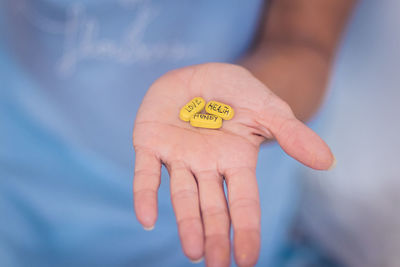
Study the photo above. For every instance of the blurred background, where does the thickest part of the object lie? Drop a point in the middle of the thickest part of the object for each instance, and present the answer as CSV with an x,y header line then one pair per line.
x,y
65,188
353,211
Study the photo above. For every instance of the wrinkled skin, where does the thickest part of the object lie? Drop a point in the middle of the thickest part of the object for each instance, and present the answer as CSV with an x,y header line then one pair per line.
x,y
198,160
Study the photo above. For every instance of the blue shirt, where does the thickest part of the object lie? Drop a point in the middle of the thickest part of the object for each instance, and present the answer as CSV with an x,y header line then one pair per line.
x,y
72,76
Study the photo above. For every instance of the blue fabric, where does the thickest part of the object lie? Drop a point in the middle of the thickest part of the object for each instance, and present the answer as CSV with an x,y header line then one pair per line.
x,y
72,76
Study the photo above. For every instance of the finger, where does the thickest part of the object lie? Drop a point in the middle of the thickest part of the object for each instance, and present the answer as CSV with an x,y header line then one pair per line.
x,y
297,140
145,185
244,208
185,201
215,218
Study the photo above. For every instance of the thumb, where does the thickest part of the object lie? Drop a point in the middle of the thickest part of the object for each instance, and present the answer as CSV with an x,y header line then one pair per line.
x,y
296,139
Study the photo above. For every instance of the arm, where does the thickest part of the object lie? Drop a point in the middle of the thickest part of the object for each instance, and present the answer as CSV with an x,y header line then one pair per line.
x,y
295,49
291,59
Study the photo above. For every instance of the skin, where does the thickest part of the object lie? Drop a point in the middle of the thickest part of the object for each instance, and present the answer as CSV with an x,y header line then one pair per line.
x,y
294,61
296,48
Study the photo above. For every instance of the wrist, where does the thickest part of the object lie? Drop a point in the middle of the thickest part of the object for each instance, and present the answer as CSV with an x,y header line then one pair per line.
x,y
296,73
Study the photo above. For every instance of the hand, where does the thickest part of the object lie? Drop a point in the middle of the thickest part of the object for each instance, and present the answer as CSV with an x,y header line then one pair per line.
x,y
198,160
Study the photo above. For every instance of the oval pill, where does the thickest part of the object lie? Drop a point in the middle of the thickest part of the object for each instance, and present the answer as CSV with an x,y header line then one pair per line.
x,y
206,121
194,106
220,109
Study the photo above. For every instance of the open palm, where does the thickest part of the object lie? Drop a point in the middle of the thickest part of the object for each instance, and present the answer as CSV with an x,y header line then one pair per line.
x,y
198,160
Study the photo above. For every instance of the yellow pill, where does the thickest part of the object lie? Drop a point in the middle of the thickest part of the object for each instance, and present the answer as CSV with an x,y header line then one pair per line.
x,y
220,109
194,106
206,121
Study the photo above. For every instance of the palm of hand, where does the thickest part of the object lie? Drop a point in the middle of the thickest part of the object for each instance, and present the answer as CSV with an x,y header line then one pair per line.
x,y
199,159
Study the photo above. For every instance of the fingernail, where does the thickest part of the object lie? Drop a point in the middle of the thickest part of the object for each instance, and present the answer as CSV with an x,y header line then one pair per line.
x,y
148,228
197,261
333,164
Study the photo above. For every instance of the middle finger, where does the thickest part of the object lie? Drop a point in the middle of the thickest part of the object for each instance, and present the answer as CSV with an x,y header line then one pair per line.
x,y
215,218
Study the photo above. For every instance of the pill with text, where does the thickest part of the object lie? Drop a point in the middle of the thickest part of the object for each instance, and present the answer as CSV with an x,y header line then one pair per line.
x,y
220,109
206,121
194,106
